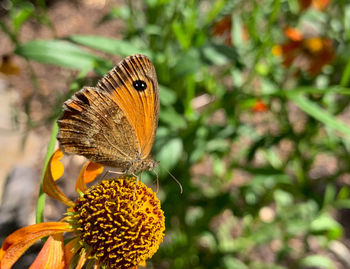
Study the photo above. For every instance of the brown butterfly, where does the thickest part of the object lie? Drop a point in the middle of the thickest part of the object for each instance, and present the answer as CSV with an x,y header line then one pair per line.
x,y
115,123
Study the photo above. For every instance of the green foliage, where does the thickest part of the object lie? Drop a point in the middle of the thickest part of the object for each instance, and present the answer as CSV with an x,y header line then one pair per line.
x,y
254,195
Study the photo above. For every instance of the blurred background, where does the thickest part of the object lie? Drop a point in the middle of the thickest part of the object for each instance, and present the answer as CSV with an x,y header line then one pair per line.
x,y
254,120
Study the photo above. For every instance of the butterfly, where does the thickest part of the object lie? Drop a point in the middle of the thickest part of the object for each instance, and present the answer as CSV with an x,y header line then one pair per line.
x,y
115,123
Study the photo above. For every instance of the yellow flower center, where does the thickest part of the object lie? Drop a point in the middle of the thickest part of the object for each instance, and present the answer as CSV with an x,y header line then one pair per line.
x,y
314,45
120,226
276,50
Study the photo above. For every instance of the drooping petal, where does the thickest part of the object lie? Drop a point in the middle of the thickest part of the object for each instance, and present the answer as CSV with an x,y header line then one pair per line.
x,y
70,250
81,261
53,171
87,174
51,255
19,241
57,168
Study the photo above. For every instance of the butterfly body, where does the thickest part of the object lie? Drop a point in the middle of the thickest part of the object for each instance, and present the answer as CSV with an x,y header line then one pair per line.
x,y
115,123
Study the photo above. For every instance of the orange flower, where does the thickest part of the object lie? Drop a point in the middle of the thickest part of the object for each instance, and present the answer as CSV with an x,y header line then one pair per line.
x,y
223,28
115,224
260,106
308,54
318,4
293,34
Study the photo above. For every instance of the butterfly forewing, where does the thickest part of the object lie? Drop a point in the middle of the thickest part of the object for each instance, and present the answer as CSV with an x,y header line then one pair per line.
x,y
141,107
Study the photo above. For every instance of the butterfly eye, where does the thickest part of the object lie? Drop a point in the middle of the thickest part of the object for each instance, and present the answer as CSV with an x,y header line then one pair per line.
x,y
139,85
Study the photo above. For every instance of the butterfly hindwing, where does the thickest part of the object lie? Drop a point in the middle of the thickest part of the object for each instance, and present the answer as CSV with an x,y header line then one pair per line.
x,y
93,126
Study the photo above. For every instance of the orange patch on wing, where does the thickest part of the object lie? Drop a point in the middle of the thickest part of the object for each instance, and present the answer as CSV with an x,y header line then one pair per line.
x,y
140,115
75,106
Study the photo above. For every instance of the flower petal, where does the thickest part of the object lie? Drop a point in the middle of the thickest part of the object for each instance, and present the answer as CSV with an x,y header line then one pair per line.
x,y
19,241
56,166
293,34
70,249
87,174
51,255
81,261
92,171
54,170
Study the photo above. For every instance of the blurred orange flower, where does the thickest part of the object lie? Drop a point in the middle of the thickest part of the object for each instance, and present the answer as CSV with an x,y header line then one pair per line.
x,y
115,224
260,106
318,4
223,28
309,54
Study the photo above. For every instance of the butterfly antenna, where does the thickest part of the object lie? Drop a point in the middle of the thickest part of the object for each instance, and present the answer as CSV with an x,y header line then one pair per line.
x,y
174,178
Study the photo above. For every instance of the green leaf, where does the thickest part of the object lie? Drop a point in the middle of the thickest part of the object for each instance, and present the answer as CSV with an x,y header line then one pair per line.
x,y
319,114
311,90
325,223
214,56
283,198
329,195
226,51
187,63
346,75
167,96
22,15
182,37
170,153
60,53
231,262
172,118
343,203
109,45
317,261
236,32
215,9
122,12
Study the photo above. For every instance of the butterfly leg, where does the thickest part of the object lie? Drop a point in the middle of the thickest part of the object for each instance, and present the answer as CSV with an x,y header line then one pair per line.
x,y
107,171
103,176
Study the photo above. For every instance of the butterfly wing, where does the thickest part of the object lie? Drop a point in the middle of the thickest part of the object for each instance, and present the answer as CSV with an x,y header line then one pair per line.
x,y
115,122
93,126
140,105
